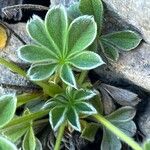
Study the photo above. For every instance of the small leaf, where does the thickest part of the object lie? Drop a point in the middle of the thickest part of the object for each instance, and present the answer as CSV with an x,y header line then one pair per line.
x,y
90,131
67,76
82,32
124,40
7,108
41,71
82,94
110,141
29,141
86,60
129,127
122,115
38,145
93,7
36,30
147,145
73,11
73,119
110,51
35,54
57,116
122,96
14,133
6,145
57,24
85,108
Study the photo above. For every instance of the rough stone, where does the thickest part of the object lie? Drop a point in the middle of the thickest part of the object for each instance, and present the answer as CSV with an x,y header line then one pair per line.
x,y
134,12
10,81
133,67
144,120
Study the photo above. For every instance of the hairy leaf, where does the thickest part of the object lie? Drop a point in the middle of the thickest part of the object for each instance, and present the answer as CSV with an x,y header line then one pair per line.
x,y
85,108
67,76
14,133
57,116
110,51
57,24
110,141
7,108
37,31
6,144
82,32
86,60
36,54
122,115
124,40
41,71
73,119
93,7
83,94
38,145
29,141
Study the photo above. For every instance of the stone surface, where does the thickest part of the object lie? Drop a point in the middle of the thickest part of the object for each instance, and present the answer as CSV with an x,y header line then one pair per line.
x,y
135,12
10,81
144,120
133,66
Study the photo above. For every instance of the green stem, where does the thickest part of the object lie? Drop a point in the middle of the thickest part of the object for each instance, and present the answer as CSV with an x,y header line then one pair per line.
x,y
59,136
25,98
117,132
82,77
12,67
50,89
27,118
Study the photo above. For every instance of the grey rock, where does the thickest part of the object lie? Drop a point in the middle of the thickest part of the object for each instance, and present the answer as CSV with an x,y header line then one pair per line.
x,y
132,67
135,12
10,81
144,120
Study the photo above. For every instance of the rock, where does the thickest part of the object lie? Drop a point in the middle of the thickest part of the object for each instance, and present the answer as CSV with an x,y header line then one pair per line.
x,y
134,12
144,120
10,81
132,67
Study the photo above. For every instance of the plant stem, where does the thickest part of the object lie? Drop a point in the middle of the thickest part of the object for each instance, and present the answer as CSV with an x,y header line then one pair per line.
x,y
117,132
27,118
26,97
51,89
82,77
59,136
12,67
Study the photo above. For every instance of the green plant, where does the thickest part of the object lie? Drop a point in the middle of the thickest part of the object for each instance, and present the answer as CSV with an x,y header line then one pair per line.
x,y
60,59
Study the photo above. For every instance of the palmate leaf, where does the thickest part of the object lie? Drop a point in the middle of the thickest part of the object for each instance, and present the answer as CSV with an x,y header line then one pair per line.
x,y
82,32
124,40
67,76
37,31
6,144
86,60
29,141
36,54
93,7
7,108
56,25
41,71
57,116
73,118
68,107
